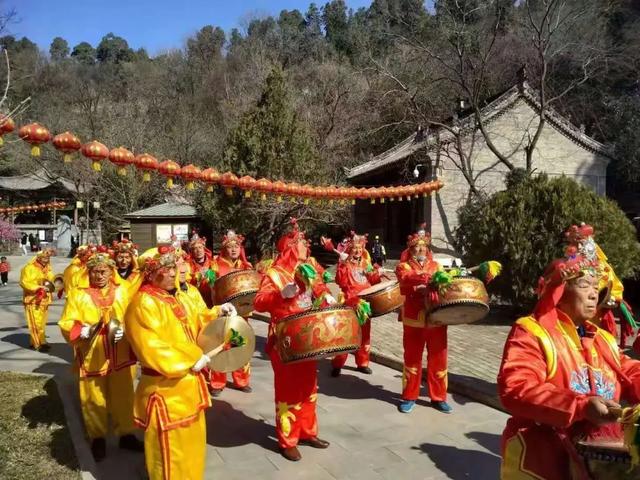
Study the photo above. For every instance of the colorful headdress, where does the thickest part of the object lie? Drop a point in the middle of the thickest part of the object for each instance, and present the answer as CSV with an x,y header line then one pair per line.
x,y
580,258
232,237
355,239
124,246
421,237
157,258
197,240
85,251
46,252
100,258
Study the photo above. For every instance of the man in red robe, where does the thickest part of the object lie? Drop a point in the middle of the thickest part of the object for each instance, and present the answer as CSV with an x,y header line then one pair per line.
x,y
232,257
354,274
286,290
415,272
561,374
201,263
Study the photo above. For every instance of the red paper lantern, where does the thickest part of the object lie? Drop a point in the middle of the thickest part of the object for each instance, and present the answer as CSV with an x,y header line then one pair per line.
x,y
264,186
229,180
279,187
68,144
146,163
210,176
191,174
121,157
293,189
35,135
96,152
169,169
307,191
247,183
7,125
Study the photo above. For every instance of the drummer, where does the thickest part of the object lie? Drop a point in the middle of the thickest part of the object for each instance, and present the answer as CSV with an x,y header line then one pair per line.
x,y
124,254
36,298
105,366
232,258
201,262
414,273
285,291
171,396
560,373
353,275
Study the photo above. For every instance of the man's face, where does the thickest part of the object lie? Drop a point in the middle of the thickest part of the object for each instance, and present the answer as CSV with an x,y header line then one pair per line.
x,y
419,252
99,276
198,252
123,260
232,251
580,298
44,260
356,251
302,250
183,270
164,278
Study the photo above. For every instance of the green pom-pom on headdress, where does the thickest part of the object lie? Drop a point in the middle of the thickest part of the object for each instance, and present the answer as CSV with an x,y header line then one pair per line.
x,y
211,277
487,271
327,277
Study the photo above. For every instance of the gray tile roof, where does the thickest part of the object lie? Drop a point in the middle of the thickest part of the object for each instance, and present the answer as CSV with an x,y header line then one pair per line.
x,y
169,209
34,181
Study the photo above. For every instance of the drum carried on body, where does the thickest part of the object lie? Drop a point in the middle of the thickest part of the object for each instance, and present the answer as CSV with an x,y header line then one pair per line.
x,y
318,333
465,300
607,460
217,332
384,297
239,288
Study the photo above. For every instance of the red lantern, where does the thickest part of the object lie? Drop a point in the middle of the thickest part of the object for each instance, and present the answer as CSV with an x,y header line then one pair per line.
x,y
332,193
279,187
247,183
7,125
210,176
307,192
34,134
96,152
146,163
264,186
228,181
169,169
121,157
68,144
191,174
294,190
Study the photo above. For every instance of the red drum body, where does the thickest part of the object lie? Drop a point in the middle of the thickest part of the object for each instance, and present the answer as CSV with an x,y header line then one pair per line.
x,y
384,297
318,333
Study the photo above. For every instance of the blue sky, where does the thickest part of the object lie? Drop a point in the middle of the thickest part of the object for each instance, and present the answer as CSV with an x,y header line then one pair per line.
x,y
153,24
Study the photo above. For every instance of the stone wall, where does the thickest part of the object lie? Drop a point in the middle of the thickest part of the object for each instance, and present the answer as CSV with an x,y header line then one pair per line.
x,y
555,154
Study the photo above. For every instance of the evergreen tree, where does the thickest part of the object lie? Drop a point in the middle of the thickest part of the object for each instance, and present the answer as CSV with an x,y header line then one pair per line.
x,y
59,49
114,49
84,53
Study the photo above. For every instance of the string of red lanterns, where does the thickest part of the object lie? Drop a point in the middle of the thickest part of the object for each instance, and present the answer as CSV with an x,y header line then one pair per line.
x,y
32,208
68,144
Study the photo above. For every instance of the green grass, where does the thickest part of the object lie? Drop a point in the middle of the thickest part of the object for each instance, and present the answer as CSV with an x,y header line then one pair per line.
x,y
34,440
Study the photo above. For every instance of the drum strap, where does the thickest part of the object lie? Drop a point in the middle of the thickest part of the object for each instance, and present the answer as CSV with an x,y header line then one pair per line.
x,y
546,343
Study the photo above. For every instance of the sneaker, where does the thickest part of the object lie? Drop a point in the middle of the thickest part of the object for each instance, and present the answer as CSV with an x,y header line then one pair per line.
x,y
215,392
98,449
407,406
443,407
365,370
335,372
131,442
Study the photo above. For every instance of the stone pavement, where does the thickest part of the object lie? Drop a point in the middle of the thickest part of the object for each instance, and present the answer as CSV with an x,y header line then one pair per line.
x,y
357,413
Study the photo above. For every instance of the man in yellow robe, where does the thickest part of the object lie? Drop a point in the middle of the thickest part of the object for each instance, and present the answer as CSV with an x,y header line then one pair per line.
x,y
104,360
172,393
124,254
77,268
37,297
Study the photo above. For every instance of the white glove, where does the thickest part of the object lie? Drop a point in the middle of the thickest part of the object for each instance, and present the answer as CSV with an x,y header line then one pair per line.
x,y
85,331
290,290
200,364
343,256
118,335
228,309
330,300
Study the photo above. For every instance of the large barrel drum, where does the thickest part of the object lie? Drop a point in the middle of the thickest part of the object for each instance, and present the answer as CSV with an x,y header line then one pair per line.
x,y
465,300
239,288
384,297
607,460
318,333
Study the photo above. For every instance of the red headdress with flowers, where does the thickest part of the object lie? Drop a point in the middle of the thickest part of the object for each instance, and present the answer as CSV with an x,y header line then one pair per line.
x,y
287,246
155,259
421,237
124,246
230,238
580,258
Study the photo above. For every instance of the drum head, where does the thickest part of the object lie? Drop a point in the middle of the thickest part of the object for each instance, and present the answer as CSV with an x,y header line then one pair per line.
x,y
378,287
214,334
458,314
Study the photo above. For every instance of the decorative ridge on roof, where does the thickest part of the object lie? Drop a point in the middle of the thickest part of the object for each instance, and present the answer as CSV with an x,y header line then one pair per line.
x,y
490,112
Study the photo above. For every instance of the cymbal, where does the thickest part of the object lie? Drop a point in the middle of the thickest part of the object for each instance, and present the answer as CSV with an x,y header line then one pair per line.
x,y
214,334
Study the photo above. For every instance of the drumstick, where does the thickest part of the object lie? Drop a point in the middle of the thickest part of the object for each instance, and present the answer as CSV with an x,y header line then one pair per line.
x,y
617,411
215,351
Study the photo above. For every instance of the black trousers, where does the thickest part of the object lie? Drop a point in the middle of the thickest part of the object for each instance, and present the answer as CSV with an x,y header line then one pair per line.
x,y
4,277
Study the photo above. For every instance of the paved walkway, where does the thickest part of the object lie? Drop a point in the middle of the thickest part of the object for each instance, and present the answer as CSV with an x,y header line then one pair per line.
x,y
357,413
